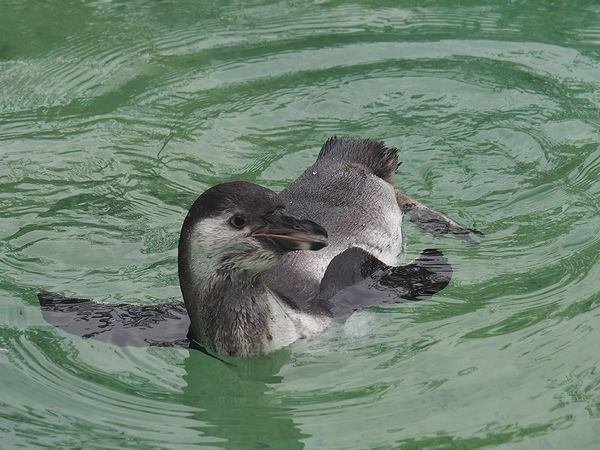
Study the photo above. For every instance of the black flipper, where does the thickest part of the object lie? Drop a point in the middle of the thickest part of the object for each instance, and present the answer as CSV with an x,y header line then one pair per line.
x,y
432,221
427,275
164,325
355,279
347,269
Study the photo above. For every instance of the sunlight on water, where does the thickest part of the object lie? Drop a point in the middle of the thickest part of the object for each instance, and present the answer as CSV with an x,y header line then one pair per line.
x,y
115,115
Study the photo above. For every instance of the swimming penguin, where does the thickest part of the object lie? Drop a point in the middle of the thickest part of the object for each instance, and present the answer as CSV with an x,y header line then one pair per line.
x,y
259,269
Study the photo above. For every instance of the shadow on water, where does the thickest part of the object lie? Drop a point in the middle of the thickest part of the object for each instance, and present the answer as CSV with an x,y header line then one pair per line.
x,y
235,403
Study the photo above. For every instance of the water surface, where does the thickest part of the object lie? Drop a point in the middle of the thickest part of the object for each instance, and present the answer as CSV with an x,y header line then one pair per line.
x,y
114,115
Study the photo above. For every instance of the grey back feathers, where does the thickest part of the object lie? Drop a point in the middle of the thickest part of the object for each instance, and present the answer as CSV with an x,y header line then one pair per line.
x,y
347,191
372,155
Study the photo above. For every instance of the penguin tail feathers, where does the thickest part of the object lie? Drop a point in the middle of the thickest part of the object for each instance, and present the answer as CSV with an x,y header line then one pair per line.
x,y
369,153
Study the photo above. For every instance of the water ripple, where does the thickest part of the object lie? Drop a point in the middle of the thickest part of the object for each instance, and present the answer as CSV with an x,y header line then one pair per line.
x,y
114,115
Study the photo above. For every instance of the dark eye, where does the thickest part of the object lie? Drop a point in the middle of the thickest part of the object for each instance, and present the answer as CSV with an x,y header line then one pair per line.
x,y
237,221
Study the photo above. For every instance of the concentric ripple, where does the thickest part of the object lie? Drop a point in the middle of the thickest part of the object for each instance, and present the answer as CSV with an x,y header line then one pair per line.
x,y
115,115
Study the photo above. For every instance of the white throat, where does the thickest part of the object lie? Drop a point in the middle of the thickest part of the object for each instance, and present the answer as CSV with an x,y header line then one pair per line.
x,y
287,325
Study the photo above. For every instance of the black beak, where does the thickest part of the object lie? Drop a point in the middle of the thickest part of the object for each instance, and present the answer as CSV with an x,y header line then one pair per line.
x,y
286,233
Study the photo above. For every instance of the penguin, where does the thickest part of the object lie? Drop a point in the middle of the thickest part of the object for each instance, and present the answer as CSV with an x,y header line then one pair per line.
x,y
259,270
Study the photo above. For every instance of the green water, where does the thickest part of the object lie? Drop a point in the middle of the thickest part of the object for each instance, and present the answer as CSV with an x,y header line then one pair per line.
x,y
496,110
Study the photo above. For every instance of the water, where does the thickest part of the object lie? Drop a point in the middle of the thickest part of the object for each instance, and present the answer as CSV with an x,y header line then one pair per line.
x,y
114,115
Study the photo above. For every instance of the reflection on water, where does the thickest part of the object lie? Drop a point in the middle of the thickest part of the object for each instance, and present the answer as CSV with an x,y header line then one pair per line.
x,y
114,115
235,404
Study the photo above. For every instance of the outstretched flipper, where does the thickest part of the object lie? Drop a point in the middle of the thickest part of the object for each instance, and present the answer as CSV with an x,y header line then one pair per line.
x,y
432,221
164,325
355,279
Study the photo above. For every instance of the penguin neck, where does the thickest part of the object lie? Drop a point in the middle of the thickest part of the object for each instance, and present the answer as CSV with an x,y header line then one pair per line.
x,y
229,311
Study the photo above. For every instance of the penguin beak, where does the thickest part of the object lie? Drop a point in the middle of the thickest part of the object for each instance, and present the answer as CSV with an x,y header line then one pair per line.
x,y
286,233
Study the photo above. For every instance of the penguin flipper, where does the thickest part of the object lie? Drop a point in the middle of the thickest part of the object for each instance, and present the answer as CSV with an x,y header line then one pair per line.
x,y
355,279
432,221
164,325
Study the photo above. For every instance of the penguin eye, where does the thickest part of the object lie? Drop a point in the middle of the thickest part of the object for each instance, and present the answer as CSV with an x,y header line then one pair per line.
x,y
237,222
